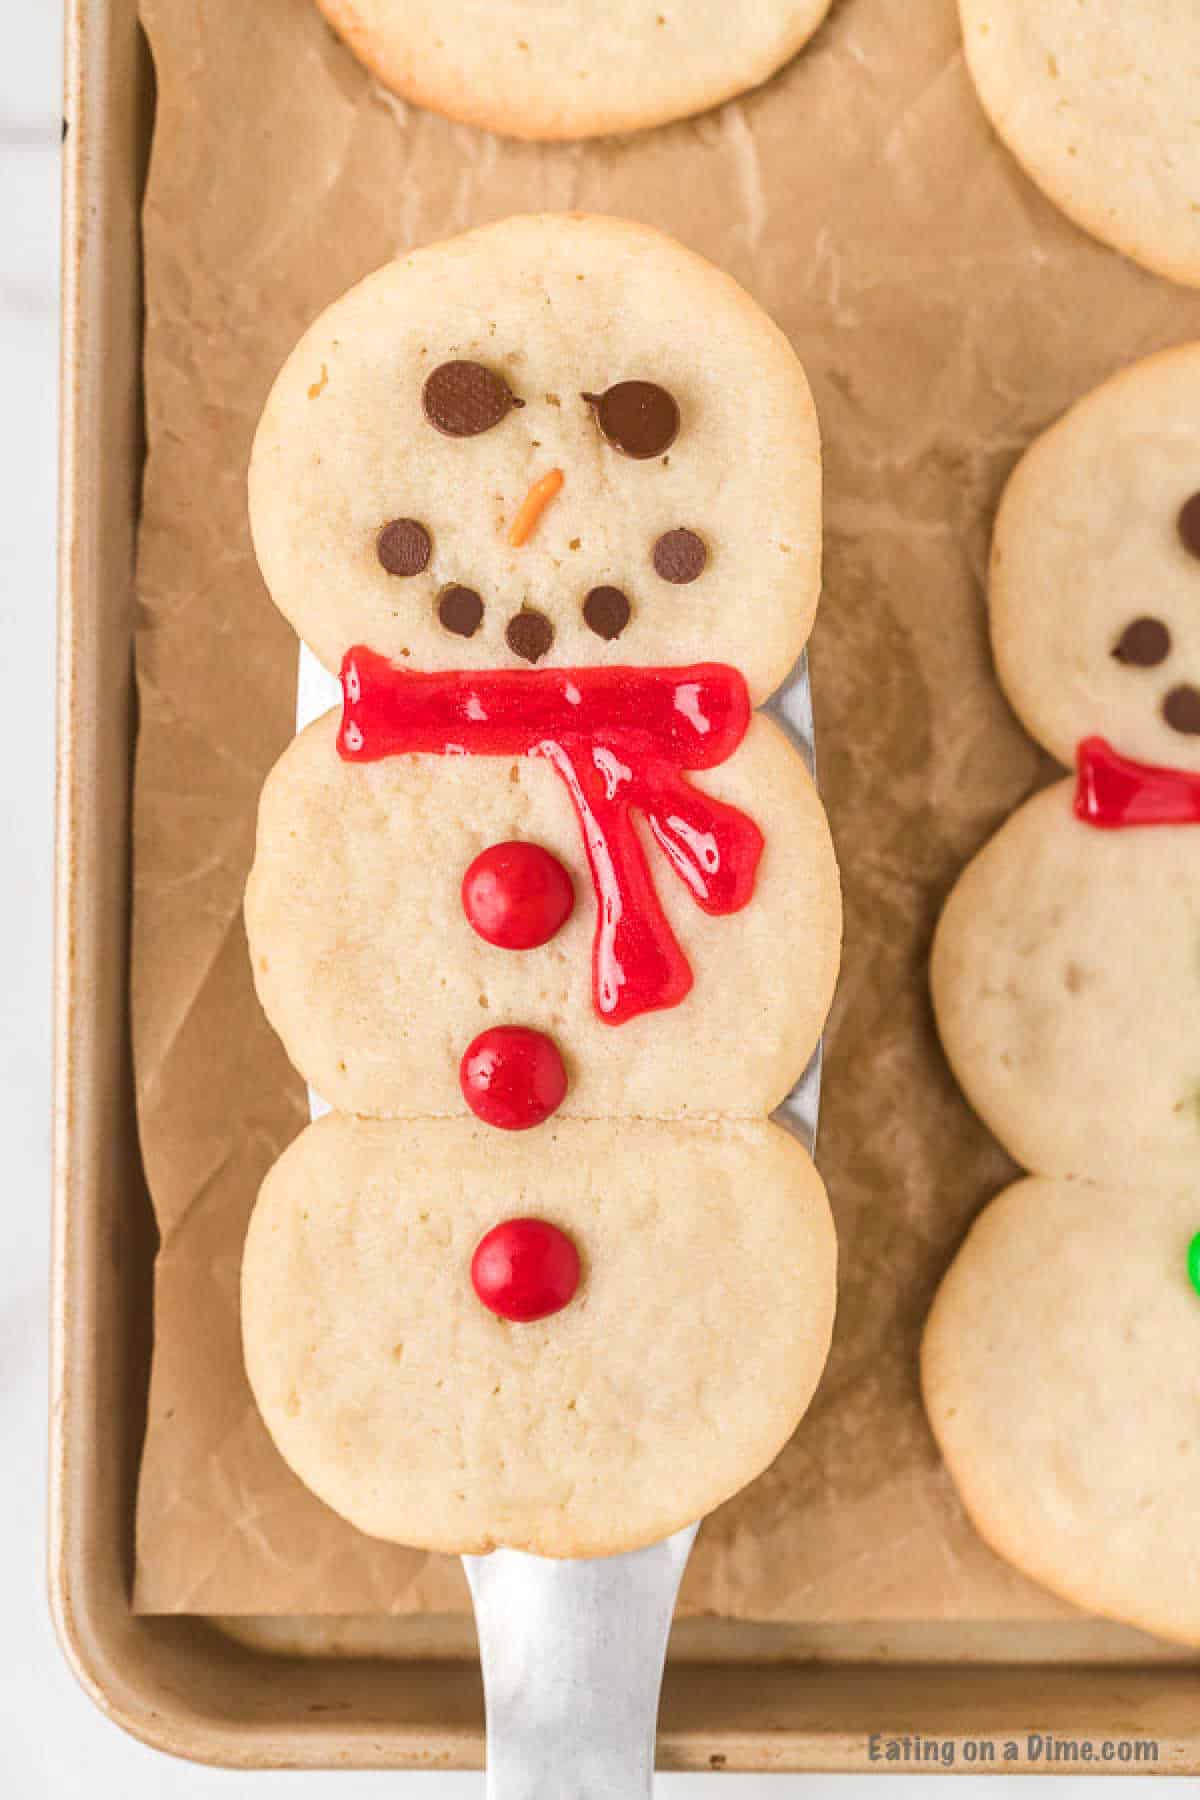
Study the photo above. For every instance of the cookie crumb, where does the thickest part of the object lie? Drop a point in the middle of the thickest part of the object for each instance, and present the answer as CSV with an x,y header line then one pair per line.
x,y
1189,1103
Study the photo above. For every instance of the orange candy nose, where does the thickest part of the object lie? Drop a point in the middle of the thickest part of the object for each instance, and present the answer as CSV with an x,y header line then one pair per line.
x,y
533,506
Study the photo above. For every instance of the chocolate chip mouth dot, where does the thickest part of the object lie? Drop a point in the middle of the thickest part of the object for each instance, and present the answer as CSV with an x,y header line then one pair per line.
x,y
1181,710
639,418
404,547
461,399
1143,643
460,610
1188,524
606,612
529,634
680,556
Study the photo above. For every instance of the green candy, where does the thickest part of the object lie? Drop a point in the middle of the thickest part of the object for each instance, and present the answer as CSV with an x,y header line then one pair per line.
x,y
1193,1262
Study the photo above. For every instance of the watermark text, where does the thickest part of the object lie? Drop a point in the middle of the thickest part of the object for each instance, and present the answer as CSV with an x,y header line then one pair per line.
x,y
1046,1748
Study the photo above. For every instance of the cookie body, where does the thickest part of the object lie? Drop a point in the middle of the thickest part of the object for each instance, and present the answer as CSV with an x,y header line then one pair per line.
x,y
1058,1361
564,69
549,308
1066,983
1061,1373
369,969
680,1368
1097,102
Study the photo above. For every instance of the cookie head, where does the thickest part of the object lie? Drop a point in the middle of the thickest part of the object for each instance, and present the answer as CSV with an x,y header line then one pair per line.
x,y
1095,582
557,441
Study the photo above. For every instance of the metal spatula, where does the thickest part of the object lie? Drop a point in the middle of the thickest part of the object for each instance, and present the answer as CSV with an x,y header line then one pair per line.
x,y
572,1655
572,1651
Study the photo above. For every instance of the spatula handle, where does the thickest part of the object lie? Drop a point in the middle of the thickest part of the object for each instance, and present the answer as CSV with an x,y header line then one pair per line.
x,y
572,1656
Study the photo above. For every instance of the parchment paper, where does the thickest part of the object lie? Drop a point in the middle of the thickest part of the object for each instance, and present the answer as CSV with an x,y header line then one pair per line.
x,y
944,313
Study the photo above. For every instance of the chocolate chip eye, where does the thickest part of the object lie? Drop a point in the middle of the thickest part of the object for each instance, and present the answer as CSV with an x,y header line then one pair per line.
x,y
460,610
1188,525
1143,643
1181,710
606,612
461,399
403,547
679,556
529,634
639,418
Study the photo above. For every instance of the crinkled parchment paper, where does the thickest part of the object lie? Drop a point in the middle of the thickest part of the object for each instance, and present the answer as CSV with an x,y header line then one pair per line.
x,y
945,313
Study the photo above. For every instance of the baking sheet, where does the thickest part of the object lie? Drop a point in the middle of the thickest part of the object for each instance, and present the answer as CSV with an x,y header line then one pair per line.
x,y
944,313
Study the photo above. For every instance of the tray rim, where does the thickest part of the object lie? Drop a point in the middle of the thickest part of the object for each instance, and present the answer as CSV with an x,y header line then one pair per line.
x,y
175,1684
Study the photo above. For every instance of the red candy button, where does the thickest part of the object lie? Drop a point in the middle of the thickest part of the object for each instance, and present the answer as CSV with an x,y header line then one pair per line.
x,y
512,1077
525,1269
517,895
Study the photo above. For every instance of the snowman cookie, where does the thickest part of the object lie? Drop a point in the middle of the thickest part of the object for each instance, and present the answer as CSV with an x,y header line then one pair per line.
x,y
568,69
1066,979
546,905
1097,102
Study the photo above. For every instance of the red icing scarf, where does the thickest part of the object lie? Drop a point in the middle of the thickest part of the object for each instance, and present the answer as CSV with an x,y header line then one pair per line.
x,y
1112,790
618,739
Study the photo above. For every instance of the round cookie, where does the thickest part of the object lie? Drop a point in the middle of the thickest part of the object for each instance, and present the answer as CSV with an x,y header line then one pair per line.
x,y
1094,589
1066,983
569,69
367,966
1061,1374
1097,102
678,1371
382,507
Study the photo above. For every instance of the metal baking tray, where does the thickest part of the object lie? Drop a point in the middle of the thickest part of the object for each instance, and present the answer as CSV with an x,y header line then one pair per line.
x,y
736,1696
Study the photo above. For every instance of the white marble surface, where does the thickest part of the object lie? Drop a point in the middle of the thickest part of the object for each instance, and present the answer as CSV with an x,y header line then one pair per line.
x,y
52,1742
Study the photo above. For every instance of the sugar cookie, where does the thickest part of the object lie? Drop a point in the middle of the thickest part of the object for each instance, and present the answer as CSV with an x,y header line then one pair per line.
x,y
567,69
